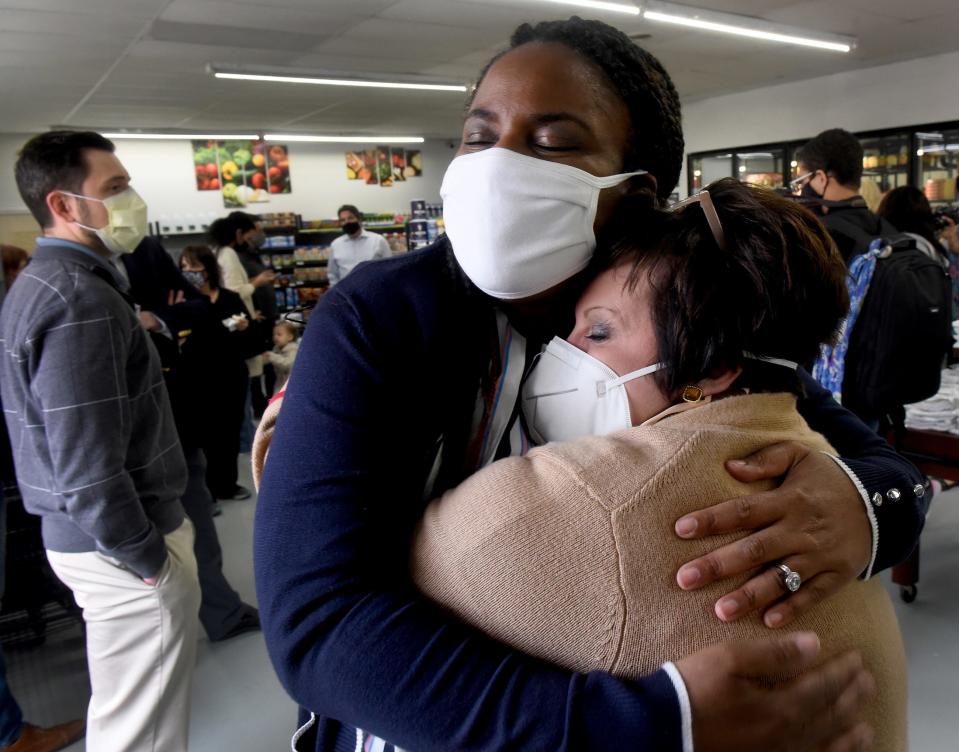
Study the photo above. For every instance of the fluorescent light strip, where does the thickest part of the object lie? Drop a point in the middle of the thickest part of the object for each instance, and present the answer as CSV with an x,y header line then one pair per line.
x,y
339,82
743,31
597,5
185,136
344,139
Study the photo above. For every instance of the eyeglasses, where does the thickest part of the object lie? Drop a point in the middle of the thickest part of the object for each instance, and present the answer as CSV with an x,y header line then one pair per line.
x,y
797,184
709,210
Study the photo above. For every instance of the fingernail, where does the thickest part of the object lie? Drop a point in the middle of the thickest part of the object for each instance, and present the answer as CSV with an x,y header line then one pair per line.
x,y
738,463
774,619
689,576
807,643
686,526
728,607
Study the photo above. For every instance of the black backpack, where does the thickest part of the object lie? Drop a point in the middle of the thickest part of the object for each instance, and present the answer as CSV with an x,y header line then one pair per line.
x,y
903,334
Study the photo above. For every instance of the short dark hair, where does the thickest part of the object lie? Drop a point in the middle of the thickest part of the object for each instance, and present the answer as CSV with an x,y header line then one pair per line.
x,y
778,290
242,216
836,152
54,161
349,208
223,231
656,140
908,210
202,255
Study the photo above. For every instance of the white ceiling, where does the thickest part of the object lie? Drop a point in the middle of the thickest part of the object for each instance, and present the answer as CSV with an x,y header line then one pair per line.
x,y
142,63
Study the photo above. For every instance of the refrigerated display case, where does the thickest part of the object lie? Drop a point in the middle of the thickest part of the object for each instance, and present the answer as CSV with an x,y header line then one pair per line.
x,y
937,155
885,159
705,168
926,156
762,167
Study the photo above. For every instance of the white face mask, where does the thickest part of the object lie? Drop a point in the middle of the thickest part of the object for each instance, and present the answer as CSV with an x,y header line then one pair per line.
x,y
126,220
520,225
570,394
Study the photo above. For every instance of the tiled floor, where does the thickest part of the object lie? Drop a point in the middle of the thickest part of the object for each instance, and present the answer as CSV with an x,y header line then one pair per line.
x,y
239,705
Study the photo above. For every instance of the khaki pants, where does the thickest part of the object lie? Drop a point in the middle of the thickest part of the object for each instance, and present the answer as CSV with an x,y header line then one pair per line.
x,y
141,646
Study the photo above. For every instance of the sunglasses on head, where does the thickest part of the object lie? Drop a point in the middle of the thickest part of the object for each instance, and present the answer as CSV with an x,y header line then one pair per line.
x,y
709,210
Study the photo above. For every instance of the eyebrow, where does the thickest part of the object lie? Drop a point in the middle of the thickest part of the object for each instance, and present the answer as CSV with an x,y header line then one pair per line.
x,y
543,118
602,308
115,178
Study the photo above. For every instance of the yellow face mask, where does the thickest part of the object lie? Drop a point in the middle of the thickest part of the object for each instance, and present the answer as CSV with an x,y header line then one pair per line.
x,y
126,220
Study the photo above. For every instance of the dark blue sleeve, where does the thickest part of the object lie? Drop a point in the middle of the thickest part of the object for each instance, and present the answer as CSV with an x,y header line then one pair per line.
x,y
877,465
349,637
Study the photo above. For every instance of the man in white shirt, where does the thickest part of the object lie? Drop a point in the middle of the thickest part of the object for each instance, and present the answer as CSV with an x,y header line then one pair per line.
x,y
354,246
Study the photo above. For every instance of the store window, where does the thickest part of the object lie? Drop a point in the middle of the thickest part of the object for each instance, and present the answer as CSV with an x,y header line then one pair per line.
x,y
938,152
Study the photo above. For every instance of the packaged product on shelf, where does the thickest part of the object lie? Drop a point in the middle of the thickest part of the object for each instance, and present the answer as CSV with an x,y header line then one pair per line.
x,y
281,299
419,233
418,209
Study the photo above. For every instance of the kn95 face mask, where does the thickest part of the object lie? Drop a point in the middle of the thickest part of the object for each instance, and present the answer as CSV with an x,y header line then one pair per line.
x,y
569,394
126,220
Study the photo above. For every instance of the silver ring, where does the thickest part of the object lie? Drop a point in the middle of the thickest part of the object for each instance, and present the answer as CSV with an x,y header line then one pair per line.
x,y
791,579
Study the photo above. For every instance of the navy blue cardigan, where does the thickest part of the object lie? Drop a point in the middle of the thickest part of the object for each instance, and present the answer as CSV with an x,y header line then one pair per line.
x,y
389,364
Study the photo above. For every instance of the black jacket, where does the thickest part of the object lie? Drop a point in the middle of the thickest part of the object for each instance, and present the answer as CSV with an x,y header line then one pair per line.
x,y
852,226
264,297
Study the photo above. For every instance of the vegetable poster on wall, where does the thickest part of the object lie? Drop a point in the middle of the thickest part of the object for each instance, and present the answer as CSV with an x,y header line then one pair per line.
x,y
414,163
245,172
399,165
383,165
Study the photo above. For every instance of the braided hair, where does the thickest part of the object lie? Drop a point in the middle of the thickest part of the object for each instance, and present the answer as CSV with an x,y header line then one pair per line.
x,y
655,143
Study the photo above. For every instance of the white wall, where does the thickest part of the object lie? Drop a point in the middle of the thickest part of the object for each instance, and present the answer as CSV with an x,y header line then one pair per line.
x,y
163,173
902,94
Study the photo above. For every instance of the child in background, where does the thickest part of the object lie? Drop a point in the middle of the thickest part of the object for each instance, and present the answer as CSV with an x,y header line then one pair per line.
x,y
284,352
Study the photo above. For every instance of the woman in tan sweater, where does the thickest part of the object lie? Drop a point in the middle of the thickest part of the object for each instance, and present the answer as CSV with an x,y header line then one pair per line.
x,y
569,552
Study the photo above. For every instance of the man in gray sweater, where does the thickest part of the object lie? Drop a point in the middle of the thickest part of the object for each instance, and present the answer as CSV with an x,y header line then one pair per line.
x,y
95,445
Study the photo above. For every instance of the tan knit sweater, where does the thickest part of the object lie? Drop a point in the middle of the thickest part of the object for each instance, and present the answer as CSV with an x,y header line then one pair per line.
x,y
569,553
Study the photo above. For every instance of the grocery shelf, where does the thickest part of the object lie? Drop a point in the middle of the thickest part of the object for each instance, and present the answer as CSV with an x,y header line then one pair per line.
x,y
339,230
300,265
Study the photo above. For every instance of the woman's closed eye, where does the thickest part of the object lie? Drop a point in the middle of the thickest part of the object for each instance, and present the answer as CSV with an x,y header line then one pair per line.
x,y
599,332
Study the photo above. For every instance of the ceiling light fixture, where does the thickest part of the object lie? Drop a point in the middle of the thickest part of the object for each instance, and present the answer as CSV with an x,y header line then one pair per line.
x,y
597,5
283,78
185,136
743,26
344,139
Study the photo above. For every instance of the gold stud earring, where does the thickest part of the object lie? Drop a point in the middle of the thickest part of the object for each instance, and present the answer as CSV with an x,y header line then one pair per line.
x,y
693,394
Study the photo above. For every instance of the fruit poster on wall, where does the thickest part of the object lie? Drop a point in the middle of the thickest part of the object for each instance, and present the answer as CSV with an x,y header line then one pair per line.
x,y
206,166
245,172
278,174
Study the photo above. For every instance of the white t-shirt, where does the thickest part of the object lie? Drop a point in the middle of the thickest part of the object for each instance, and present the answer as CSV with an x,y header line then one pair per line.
x,y
347,253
